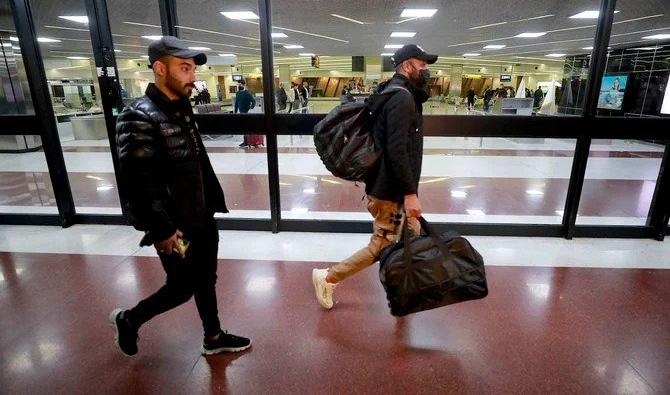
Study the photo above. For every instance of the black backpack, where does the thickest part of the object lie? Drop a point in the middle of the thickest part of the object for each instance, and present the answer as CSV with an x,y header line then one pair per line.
x,y
344,139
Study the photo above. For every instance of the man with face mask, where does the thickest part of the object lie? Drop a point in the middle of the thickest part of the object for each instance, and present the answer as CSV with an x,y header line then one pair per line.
x,y
393,191
170,191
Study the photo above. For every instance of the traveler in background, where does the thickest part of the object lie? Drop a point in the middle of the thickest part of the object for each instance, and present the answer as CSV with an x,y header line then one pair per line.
x,y
281,97
538,97
393,191
244,101
169,191
206,97
304,95
488,96
471,99
502,93
295,96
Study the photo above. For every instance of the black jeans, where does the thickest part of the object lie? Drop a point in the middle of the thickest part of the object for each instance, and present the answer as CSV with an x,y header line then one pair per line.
x,y
195,275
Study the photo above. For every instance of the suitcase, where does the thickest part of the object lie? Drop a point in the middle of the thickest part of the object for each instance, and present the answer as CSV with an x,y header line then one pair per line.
x,y
426,272
254,140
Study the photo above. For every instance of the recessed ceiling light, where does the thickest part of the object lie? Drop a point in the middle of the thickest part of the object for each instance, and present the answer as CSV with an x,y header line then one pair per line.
x,y
279,35
555,55
14,47
495,46
588,15
47,40
531,35
145,56
154,38
588,48
78,19
459,194
117,50
293,46
12,38
386,54
471,54
534,192
240,15
306,54
403,34
657,37
392,46
648,48
200,48
77,57
418,12
226,54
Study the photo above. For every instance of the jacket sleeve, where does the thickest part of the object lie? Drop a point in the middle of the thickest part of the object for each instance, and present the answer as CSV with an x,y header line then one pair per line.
x,y
253,100
398,113
145,193
237,97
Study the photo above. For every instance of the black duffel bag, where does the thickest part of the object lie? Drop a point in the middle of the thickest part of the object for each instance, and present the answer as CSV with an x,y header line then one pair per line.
x,y
426,272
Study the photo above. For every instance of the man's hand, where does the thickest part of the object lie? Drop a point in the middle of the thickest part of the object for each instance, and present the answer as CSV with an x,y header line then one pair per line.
x,y
412,206
168,246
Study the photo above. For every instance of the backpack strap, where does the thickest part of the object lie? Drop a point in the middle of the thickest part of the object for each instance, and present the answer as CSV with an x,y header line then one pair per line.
x,y
376,105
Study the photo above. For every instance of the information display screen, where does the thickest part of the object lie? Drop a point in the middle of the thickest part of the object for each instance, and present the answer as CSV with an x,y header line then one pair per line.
x,y
612,91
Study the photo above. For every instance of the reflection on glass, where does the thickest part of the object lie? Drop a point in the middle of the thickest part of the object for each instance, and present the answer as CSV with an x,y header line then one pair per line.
x,y
496,63
474,180
619,183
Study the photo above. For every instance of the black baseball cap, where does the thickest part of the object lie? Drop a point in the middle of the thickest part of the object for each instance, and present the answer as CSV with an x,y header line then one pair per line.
x,y
169,45
412,51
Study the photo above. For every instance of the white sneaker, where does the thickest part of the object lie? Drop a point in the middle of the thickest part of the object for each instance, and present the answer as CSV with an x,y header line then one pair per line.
x,y
324,290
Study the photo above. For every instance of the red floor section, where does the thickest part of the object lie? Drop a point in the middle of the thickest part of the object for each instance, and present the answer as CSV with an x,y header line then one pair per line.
x,y
541,330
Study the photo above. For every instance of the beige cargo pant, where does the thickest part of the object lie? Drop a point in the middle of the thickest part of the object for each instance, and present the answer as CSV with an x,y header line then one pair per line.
x,y
388,225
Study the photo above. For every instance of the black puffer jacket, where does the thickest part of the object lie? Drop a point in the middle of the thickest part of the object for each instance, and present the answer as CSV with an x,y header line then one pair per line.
x,y
168,182
398,130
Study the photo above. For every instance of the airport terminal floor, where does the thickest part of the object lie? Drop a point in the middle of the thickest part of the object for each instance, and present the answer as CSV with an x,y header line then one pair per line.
x,y
544,128
580,316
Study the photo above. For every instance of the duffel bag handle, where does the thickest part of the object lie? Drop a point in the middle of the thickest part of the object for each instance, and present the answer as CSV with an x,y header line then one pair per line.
x,y
430,232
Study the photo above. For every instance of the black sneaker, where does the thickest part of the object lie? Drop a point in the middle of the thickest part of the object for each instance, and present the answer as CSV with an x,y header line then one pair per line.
x,y
125,335
225,343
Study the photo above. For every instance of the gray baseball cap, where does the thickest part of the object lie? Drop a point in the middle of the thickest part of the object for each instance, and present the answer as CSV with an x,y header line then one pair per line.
x,y
169,45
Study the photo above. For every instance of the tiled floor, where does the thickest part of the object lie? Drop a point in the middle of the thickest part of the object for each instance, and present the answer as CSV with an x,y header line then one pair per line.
x,y
541,330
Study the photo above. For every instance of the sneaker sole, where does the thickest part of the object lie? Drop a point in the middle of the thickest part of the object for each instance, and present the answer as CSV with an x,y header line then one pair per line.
x,y
315,281
204,351
112,322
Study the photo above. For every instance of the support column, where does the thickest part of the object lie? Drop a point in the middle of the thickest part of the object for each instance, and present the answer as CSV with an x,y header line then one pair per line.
x,y
456,81
285,75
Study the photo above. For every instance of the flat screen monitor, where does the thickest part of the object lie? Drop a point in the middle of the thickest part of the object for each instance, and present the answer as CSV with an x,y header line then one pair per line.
x,y
237,78
358,63
505,78
665,107
58,90
611,92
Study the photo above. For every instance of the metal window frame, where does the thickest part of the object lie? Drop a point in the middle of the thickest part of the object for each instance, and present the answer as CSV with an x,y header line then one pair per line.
x,y
44,116
583,128
169,21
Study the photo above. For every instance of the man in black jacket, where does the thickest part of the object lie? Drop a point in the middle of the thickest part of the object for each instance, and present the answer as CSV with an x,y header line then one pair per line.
x,y
393,190
170,192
